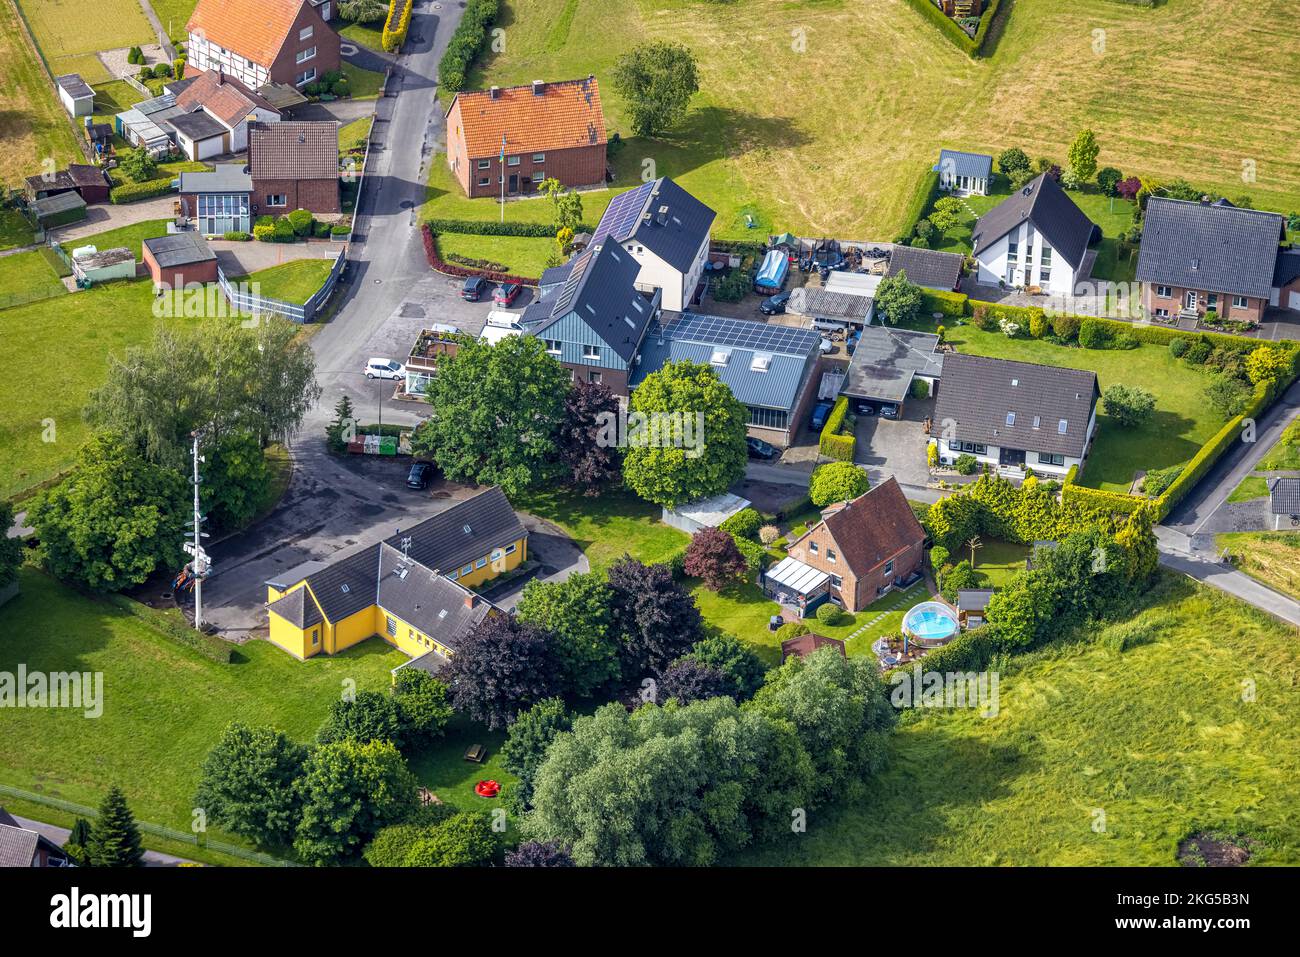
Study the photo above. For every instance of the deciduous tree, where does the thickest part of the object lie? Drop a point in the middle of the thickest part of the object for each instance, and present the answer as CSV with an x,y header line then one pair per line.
x,y
654,618
837,482
575,613
898,299
656,81
712,557
501,667
591,461
247,783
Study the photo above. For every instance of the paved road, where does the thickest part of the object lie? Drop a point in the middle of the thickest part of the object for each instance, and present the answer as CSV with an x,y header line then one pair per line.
x,y
60,834
790,475
1178,554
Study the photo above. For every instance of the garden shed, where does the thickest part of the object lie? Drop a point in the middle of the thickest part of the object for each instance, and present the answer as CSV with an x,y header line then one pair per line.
x,y
706,513
177,260
76,95
59,210
138,130
91,265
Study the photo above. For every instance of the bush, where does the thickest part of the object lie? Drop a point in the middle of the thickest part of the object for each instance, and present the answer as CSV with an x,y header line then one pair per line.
x,y
1093,335
134,192
466,43
920,389
744,524
837,482
320,230
1178,348
1037,324
341,87
938,557
236,236
982,318
830,614
264,232
951,304
768,534
283,232
1065,327
791,629
301,221
341,229
163,70
1156,481
1128,405
146,73
966,464
834,445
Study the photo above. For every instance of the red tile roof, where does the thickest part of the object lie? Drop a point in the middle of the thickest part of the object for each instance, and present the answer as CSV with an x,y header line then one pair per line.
x,y
303,149
223,97
873,527
255,29
567,114
805,645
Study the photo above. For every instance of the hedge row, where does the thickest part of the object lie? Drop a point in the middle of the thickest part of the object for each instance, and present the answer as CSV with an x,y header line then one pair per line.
x,y
949,28
394,33
834,445
478,227
466,44
927,189
206,645
134,192
1093,498
438,264
951,304
970,651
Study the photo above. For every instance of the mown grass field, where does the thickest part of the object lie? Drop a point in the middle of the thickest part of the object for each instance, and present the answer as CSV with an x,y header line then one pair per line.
x,y
173,15
820,116
33,124
1148,744
295,281
1182,422
74,28
521,255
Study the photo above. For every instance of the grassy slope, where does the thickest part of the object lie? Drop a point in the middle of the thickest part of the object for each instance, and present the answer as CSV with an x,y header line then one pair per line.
x,y
521,255
33,125
1271,557
1182,420
1182,90
1085,728
164,707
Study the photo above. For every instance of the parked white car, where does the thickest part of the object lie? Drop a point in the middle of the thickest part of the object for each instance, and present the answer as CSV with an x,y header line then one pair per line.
x,y
385,369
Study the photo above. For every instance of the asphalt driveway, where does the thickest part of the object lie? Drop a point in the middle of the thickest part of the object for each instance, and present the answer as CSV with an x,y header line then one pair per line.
x,y
895,446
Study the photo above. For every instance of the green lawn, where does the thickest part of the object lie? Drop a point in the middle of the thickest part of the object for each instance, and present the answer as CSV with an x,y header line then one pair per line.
x,y
1157,738
366,34
521,255
363,84
173,15
607,527
132,237
1251,487
14,230
43,427
997,560
25,277
757,141
446,200
352,136
33,124
1286,453
294,282
1114,216
1182,422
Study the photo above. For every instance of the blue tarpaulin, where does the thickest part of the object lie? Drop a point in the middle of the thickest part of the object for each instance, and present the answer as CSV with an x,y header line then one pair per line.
x,y
771,274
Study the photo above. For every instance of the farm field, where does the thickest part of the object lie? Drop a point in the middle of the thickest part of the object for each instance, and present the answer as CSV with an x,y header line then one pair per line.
x,y
66,29
33,124
1182,422
841,156
1083,731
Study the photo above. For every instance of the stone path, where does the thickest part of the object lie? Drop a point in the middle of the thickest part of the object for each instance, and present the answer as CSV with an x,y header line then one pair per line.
x,y
160,28
903,598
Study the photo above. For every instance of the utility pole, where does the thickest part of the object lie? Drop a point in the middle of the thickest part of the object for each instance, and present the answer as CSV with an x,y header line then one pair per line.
x,y
503,177
199,564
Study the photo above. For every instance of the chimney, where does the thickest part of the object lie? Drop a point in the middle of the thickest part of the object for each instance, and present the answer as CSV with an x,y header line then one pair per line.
x,y
538,87
495,92
471,599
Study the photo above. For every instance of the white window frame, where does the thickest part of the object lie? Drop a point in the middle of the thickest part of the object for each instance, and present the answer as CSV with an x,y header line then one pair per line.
x,y
484,164
591,352
481,563
485,181
539,158
512,548
512,160
302,56
1240,302
553,346
304,33
307,76
272,197
1164,292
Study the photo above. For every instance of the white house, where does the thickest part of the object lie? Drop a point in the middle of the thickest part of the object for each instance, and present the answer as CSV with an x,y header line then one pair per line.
x,y
1014,415
666,230
1035,239
217,111
965,174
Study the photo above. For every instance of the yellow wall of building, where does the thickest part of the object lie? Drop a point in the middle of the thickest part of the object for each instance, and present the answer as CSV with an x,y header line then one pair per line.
x,y
406,637
297,641
490,566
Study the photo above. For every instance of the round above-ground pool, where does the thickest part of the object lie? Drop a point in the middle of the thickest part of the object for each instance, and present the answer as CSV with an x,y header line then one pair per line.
x,y
930,624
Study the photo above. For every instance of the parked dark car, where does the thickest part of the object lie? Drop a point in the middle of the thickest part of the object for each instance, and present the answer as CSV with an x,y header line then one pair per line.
x,y
889,411
419,475
866,408
774,305
758,449
506,293
473,289
819,414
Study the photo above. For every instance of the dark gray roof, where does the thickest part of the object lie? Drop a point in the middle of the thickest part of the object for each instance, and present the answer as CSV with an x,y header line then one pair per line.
x,y
555,276
298,608
1052,213
1284,496
224,178
885,360
76,87
347,586
790,354
661,216
926,267
1212,246
464,532
964,164
979,393
429,601
17,846
823,304
1287,269
197,125
601,291
973,599
179,249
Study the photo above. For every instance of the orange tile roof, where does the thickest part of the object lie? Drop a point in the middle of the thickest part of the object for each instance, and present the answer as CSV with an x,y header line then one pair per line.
x,y
223,97
567,115
255,29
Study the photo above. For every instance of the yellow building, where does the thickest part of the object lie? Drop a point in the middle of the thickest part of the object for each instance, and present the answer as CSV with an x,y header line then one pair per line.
x,y
413,589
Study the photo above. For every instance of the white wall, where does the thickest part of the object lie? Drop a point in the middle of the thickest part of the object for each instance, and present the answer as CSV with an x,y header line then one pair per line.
x,y
206,55
239,135
993,263
657,274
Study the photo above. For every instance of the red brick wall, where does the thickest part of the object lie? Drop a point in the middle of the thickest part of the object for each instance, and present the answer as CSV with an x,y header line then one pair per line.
x,y
285,67
177,277
1176,300
581,166
316,195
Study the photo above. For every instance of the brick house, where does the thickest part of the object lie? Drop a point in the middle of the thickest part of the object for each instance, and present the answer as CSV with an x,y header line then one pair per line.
x,y
545,130
294,165
177,260
865,546
1198,257
262,41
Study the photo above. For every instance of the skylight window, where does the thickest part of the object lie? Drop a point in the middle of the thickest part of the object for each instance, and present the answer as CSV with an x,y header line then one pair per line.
x,y
1011,418
720,357
466,529
761,362
1035,421
1060,426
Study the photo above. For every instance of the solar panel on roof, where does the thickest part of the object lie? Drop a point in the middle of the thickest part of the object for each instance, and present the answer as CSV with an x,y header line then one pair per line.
x,y
622,214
